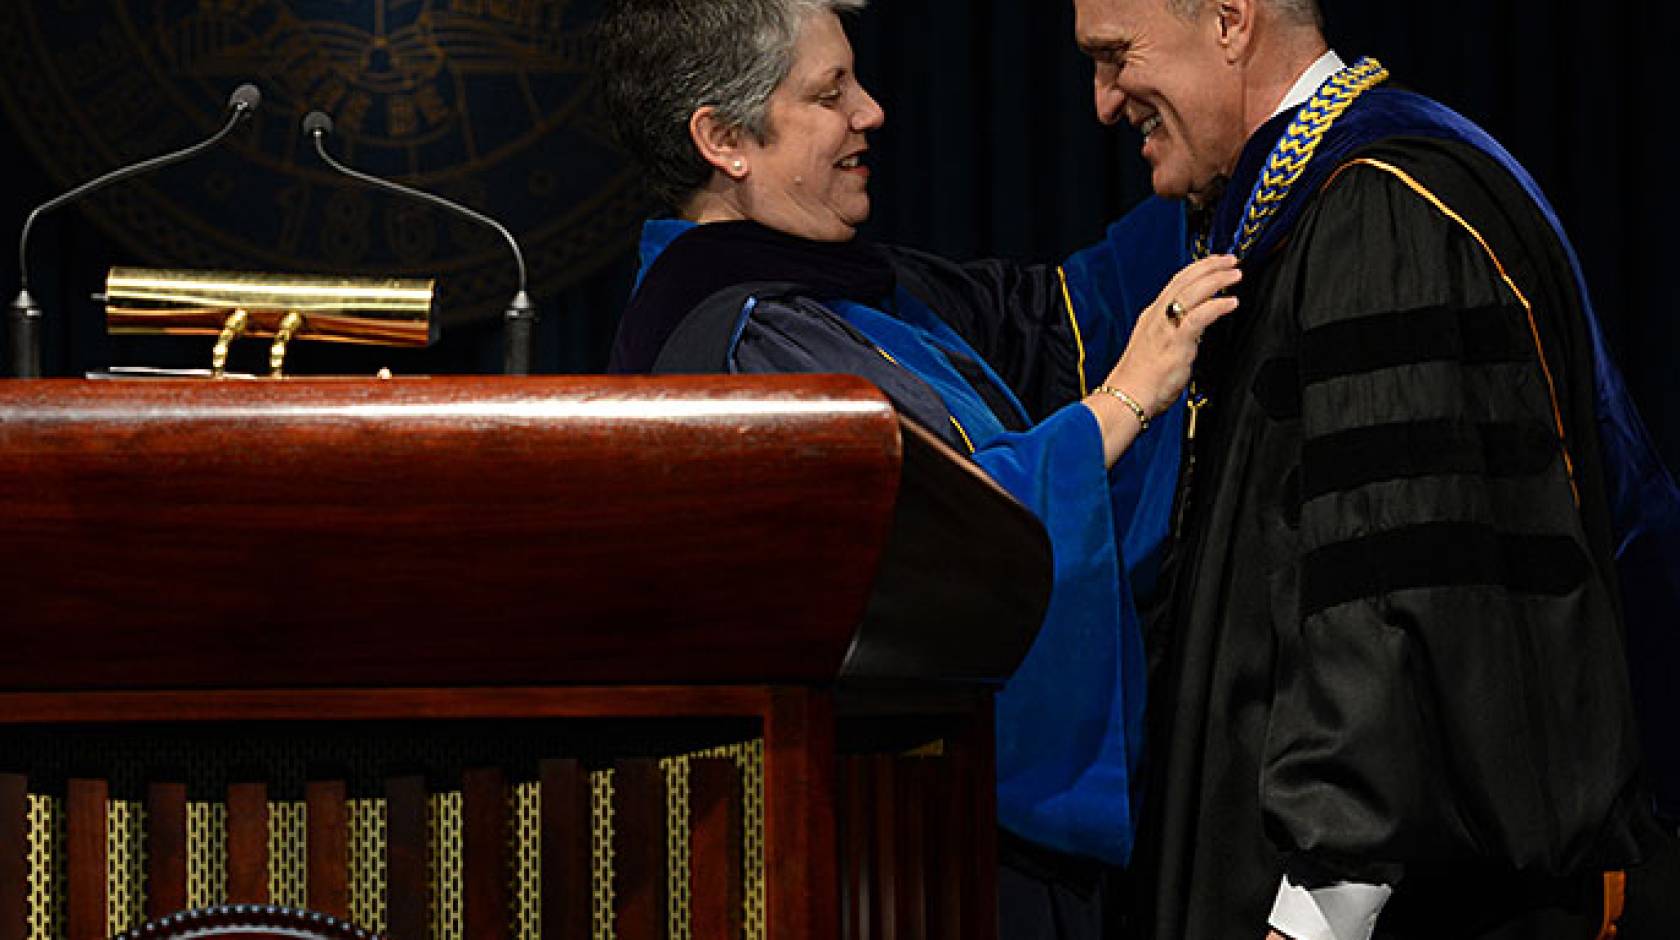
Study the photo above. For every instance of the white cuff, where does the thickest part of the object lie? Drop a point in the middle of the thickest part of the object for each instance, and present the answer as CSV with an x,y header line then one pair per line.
x,y
1345,910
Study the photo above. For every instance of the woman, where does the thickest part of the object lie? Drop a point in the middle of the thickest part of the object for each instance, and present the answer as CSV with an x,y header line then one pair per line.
x,y
752,125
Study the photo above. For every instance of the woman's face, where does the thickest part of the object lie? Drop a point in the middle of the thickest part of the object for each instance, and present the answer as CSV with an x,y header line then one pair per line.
x,y
807,177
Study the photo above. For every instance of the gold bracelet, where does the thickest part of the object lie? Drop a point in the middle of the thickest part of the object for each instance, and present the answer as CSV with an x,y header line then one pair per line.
x,y
1128,401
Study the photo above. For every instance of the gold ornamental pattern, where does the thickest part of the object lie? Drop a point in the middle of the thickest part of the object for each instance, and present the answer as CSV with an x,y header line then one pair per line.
x,y
488,102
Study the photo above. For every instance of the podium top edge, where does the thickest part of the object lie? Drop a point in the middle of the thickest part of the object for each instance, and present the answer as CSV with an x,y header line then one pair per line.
x,y
536,396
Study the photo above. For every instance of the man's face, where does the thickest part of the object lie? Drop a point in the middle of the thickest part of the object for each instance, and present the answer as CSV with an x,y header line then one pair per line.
x,y
1168,77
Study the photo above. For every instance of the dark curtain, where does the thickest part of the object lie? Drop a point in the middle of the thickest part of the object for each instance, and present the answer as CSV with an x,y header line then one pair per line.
x,y
991,148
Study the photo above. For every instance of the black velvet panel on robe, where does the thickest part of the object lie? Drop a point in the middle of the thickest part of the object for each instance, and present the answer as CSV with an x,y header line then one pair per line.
x,y
709,259
686,314
1394,646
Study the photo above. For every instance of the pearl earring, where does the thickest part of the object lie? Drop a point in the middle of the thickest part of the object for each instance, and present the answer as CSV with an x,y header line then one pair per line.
x,y
738,165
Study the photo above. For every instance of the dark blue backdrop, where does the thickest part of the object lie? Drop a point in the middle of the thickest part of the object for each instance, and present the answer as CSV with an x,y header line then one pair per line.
x,y
990,148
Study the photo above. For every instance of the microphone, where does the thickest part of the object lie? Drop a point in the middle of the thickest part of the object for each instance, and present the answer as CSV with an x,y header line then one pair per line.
x,y
521,314
24,332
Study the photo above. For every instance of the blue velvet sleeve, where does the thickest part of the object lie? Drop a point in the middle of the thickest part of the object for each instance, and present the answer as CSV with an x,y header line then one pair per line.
x,y
1109,284
1070,719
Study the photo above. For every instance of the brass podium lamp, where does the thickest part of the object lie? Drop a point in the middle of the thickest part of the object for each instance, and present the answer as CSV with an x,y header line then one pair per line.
x,y
282,308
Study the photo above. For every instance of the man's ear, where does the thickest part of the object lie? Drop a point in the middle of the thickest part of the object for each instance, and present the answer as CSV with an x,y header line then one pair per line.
x,y
1236,26
718,143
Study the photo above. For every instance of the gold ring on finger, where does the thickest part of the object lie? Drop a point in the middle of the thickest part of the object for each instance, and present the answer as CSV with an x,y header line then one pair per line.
x,y
1175,313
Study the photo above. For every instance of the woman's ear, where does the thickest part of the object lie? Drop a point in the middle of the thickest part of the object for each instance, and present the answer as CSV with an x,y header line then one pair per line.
x,y
718,143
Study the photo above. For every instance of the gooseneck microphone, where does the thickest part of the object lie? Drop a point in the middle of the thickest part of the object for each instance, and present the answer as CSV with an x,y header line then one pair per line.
x,y
521,314
24,327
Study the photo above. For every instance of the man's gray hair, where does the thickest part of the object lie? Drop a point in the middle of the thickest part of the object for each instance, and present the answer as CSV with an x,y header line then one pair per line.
x,y
1295,11
662,60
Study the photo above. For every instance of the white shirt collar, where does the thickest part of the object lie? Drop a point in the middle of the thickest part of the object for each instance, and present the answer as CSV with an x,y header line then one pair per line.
x,y
1316,74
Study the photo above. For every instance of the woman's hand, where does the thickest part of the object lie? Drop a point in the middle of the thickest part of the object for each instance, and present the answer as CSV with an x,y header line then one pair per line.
x,y
1156,364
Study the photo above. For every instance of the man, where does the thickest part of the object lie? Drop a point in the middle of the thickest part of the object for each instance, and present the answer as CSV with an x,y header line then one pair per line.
x,y
1390,692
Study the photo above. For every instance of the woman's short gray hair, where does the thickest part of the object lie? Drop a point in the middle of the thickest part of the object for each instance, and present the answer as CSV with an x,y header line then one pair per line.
x,y
662,60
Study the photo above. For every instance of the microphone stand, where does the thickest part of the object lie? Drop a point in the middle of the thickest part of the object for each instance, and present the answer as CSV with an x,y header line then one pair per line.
x,y
518,336
23,337
23,332
521,315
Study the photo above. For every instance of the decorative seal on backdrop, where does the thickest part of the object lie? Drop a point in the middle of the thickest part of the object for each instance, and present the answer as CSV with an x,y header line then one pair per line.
x,y
485,101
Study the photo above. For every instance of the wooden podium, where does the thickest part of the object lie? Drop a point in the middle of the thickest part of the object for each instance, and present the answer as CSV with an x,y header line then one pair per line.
x,y
196,566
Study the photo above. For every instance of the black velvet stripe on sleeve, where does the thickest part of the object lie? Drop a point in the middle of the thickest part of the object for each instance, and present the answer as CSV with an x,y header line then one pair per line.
x,y
1360,456
1277,388
1480,335
1441,554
